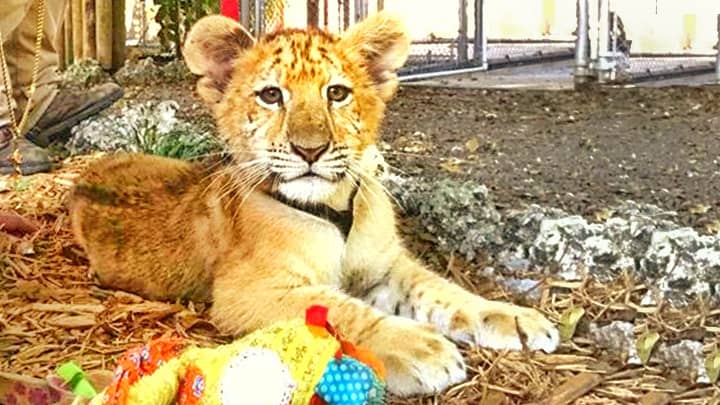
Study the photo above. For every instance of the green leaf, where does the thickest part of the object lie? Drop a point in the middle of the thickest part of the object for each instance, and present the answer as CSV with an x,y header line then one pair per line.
x,y
645,344
569,321
22,184
712,365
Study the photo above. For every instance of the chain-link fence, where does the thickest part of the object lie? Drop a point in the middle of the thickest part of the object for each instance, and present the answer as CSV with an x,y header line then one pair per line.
x,y
544,31
652,39
626,40
480,34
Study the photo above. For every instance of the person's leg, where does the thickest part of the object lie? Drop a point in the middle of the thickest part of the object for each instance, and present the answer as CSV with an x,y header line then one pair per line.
x,y
55,112
22,57
14,12
33,159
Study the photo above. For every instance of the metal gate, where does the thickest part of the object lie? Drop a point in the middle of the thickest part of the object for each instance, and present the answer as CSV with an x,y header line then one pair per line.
x,y
613,40
648,39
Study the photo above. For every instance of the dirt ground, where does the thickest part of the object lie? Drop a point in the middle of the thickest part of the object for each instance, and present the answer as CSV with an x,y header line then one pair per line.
x,y
577,151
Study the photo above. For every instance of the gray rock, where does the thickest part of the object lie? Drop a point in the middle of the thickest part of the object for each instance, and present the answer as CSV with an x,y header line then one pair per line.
x,y
149,128
144,71
459,214
676,262
617,337
687,357
84,73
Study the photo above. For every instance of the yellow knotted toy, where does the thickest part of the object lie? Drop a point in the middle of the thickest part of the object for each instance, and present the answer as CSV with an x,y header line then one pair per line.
x,y
291,362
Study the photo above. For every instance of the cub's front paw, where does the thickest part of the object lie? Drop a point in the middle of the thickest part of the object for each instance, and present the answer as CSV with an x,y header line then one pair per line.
x,y
419,360
499,325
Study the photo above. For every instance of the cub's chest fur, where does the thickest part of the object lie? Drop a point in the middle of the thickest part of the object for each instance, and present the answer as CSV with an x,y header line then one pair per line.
x,y
335,237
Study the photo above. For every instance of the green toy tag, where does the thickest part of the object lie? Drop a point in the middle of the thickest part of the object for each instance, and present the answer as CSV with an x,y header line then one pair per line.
x,y
75,378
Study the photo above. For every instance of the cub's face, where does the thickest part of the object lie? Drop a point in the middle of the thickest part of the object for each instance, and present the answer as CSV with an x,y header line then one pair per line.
x,y
299,108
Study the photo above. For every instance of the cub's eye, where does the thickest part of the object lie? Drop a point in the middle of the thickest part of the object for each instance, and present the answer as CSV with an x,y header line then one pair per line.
x,y
338,93
271,95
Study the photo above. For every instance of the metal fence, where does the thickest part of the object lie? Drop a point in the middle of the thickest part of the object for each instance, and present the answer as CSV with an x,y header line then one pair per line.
x,y
620,40
648,40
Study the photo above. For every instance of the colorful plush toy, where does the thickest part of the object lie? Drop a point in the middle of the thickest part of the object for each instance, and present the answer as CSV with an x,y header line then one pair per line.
x,y
294,362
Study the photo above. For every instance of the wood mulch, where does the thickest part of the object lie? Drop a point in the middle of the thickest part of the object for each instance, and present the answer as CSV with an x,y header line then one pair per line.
x,y
52,311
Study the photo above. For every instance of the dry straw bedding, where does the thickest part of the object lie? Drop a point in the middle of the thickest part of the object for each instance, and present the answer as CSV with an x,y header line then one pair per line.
x,y
53,311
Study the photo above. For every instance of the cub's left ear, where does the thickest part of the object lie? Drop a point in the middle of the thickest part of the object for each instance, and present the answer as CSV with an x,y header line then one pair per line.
x,y
383,42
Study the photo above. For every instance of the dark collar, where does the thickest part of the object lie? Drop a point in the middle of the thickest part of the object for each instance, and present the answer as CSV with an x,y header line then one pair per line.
x,y
343,220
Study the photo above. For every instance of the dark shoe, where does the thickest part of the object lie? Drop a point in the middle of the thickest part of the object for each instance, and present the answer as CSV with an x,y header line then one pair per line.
x,y
33,158
70,107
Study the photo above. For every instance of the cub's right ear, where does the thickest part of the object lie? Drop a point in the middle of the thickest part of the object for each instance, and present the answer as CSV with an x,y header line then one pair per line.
x,y
210,50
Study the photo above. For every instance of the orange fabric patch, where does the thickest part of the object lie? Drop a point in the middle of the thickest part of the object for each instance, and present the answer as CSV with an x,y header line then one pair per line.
x,y
192,387
137,363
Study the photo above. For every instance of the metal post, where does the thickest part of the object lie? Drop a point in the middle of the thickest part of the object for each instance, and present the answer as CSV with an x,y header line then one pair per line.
x,y
361,10
480,37
313,13
462,44
717,59
259,17
606,60
245,13
582,43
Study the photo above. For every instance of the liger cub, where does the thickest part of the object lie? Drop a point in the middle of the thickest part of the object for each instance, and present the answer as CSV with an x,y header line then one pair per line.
x,y
296,215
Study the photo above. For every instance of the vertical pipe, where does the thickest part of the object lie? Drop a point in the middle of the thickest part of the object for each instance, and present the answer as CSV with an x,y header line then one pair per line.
x,y
142,40
119,34
606,68
245,13
326,12
313,13
361,10
259,17
717,59
462,43
77,29
89,39
582,43
380,5
346,14
62,60
480,37
103,29
67,34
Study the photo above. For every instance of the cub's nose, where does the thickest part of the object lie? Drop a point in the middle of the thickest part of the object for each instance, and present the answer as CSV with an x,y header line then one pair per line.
x,y
310,155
